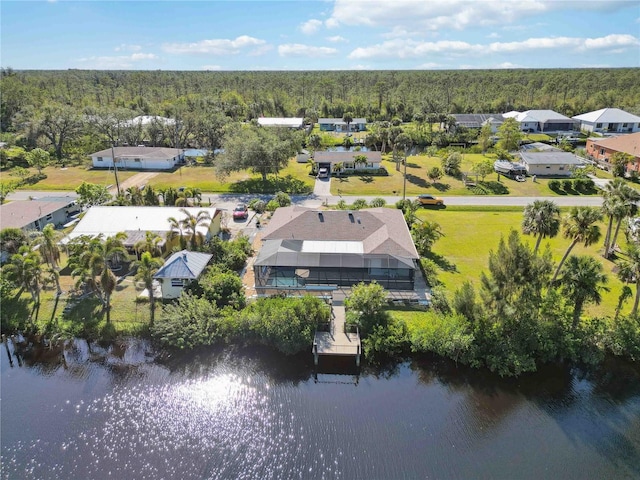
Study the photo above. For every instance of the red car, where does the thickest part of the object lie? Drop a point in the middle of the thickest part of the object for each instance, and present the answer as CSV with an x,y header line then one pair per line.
x,y
240,212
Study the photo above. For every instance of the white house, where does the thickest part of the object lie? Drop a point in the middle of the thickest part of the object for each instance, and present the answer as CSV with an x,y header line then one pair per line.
x,y
35,214
609,120
136,221
550,163
542,121
179,270
329,160
139,158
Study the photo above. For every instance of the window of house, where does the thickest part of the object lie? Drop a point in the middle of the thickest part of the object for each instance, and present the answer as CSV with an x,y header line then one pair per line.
x,y
349,165
99,159
49,217
561,167
136,160
624,125
177,282
547,166
370,165
598,125
602,151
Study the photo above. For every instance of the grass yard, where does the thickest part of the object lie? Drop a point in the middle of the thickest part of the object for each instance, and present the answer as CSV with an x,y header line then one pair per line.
x,y
70,178
417,181
293,178
470,234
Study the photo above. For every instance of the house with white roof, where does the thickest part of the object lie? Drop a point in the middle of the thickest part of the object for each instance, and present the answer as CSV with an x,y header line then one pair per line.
x,y
179,270
609,120
542,121
294,123
136,221
550,163
139,158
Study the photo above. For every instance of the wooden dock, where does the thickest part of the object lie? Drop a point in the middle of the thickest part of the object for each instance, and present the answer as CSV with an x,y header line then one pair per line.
x,y
337,341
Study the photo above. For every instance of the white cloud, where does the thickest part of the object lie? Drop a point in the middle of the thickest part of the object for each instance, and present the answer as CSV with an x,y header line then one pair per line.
x,y
337,39
429,66
505,65
124,47
219,46
119,62
299,50
211,67
456,14
310,27
408,48
493,35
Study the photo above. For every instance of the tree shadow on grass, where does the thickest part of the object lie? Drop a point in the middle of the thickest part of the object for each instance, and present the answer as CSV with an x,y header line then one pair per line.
x,y
366,178
442,262
490,188
272,184
418,181
441,187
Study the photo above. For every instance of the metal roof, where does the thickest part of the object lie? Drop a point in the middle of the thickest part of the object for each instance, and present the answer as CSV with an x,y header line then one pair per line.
x,y
608,115
140,152
348,156
550,158
293,122
184,264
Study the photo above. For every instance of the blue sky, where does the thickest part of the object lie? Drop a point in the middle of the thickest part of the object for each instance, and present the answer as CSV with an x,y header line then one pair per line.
x,y
319,35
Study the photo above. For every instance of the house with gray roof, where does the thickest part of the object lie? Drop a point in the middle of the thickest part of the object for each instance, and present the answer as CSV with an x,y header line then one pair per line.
x,y
609,120
339,125
550,163
329,160
179,270
139,158
305,250
35,214
544,121
478,120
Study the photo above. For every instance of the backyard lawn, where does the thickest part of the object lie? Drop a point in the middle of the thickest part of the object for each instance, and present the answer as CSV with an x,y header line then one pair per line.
x,y
470,234
70,178
417,181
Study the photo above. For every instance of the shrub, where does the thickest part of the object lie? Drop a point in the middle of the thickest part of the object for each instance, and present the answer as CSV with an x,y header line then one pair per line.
x,y
365,306
377,202
444,335
283,199
257,205
272,206
567,185
359,204
342,205
390,340
555,185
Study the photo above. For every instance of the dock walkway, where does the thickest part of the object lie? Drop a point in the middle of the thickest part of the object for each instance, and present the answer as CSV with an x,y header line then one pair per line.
x,y
337,341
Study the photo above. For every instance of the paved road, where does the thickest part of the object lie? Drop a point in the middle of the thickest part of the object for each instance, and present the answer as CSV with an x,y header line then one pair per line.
x,y
229,200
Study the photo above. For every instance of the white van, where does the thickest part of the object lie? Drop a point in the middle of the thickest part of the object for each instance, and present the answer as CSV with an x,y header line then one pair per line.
x,y
323,172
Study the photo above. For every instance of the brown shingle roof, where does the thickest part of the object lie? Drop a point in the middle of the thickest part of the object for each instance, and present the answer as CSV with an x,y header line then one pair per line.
x,y
629,143
381,230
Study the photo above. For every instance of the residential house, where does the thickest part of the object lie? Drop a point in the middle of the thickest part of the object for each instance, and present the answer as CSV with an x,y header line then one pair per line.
x,y
339,125
139,158
309,250
475,121
179,270
329,160
609,120
542,121
550,163
601,149
282,122
36,214
136,221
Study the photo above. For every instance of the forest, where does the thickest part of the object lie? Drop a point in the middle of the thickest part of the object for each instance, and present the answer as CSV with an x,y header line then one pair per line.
x,y
375,95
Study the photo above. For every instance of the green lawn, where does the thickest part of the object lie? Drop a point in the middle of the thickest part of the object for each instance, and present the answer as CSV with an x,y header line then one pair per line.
x,y
69,178
470,234
294,177
417,181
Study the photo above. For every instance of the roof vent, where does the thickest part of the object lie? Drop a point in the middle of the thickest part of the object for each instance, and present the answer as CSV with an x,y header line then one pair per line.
x,y
320,217
350,213
359,220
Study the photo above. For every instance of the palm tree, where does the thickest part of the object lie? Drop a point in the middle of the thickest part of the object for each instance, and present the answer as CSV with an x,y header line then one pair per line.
x,y
150,243
541,218
24,269
619,202
347,118
147,267
582,281
311,164
338,168
579,226
134,196
48,240
191,223
176,230
629,271
196,195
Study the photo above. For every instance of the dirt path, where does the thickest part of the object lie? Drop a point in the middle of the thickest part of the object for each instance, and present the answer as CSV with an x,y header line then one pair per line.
x,y
138,180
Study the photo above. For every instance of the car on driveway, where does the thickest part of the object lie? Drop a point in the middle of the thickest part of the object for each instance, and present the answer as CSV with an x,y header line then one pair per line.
x,y
240,212
430,200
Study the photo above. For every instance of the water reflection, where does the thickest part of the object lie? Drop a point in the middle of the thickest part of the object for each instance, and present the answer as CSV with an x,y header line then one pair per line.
x,y
124,411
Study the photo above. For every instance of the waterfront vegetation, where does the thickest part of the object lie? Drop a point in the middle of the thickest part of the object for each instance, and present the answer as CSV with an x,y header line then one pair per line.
x,y
499,301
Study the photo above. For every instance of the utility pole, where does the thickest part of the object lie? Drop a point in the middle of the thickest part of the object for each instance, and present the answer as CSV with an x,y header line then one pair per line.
x,y
115,169
404,183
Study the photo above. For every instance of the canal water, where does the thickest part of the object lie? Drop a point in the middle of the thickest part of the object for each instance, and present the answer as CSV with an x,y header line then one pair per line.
x,y
125,412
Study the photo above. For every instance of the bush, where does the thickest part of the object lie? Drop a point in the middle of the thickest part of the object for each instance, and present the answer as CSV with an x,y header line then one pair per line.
x,y
365,306
272,206
567,185
283,199
390,340
286,324
445,335
555,185
342,205
257,205
359,204
377,202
